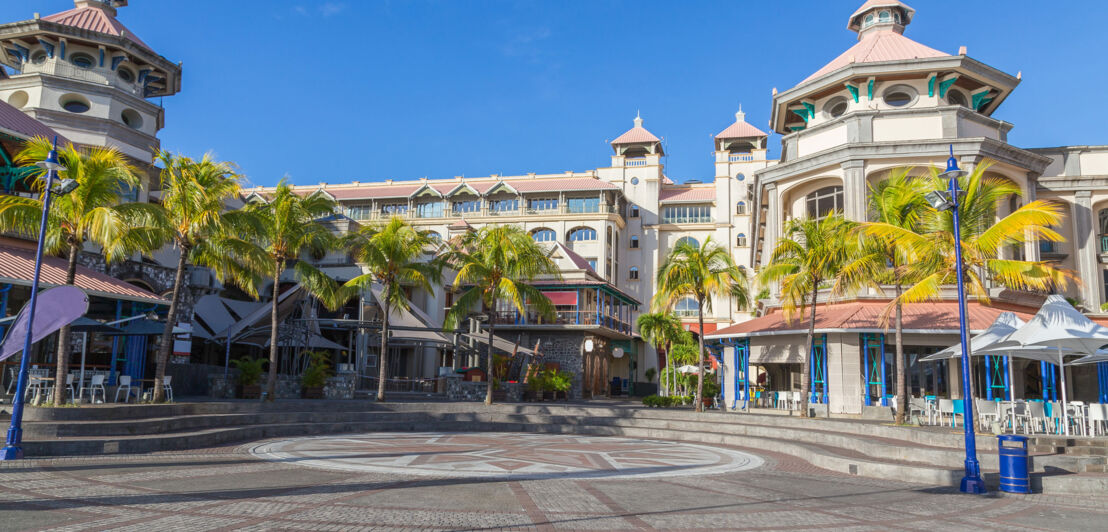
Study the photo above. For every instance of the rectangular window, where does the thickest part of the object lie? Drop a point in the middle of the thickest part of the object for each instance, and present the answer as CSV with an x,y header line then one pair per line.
x,y
582,205
542,204
634,211
687,214
634,242
429,210
592,264
504,205
360,212
633,274
467,206
740,241
394,208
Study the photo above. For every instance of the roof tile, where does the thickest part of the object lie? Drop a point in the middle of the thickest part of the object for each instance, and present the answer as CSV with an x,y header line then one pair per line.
x,y
17,265
93,18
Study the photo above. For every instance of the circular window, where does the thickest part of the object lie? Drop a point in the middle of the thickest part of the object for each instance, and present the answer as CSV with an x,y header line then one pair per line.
x,y
835,108
38,58
18,99
125,74
74,103
634,180
131,118
82,60
741,177
956,98
900,96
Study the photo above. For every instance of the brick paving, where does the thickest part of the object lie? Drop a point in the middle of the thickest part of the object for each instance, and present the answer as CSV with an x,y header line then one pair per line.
x,y
231,488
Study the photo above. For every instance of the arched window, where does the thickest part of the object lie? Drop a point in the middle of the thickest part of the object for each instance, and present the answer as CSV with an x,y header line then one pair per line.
x,y
634,242
740,207
544,235
633,274
581,234
885,16
869,20
686,308
688,240
824,201
434,236
634,211
740,240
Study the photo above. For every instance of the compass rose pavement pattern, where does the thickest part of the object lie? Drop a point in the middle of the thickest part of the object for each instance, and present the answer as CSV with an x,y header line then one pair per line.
x,y
507,455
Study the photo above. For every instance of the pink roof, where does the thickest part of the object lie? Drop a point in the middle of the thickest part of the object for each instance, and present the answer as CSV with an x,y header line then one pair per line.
x,y
930,316
740,129
17,266
878,46
370,191
16,123
460,224
687,194
575,258
94,18
636,134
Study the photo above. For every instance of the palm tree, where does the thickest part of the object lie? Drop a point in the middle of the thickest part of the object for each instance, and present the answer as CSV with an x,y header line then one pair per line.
x,y
701,272
496,263
662,329
983,239
896,201
809,255
285,230
91,213
394,256
193,216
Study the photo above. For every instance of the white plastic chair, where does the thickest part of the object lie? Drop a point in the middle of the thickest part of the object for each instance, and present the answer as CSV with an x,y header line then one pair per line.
x,y
124,384
97,383
783,400
987,412
1036,412
1076,413
1098,418
13,377
168,387
915,405
946,407
794,400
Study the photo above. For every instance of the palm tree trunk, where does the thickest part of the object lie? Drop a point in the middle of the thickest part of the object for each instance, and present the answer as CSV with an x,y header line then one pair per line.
x,y
382,358
492,373
63,334
901,365
805,367
167,335
271,385
700,357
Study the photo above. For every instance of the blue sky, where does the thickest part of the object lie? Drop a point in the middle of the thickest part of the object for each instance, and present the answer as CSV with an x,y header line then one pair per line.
x,y
363,90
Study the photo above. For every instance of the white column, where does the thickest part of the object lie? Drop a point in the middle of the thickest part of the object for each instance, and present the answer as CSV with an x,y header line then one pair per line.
x,y
1086,248
854,190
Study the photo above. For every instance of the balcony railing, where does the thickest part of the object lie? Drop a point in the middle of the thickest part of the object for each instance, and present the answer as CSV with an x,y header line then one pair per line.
x,y
740,157
364,216
98,75
637,161
564,317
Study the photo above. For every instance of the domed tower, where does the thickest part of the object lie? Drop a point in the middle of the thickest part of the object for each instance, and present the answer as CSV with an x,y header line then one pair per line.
x,y
87,76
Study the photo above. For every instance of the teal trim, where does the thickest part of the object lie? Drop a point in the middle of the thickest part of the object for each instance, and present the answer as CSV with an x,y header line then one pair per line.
x,y
796,128
853,92
101,58
62,48
980,100
811,107
48,46
870,88
944,86
116,61
802,113
931,85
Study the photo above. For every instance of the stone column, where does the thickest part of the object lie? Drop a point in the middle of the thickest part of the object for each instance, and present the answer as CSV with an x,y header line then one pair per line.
x,y
1086,244
1031,247
854,190
773,223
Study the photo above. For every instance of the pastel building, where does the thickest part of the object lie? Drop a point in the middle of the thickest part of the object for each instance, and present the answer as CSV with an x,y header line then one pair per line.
x,y
889,102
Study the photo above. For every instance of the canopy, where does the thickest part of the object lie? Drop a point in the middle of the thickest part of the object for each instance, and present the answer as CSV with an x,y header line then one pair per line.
x,y
144,327
87,325
314,342
1060,326
413,323
1006,323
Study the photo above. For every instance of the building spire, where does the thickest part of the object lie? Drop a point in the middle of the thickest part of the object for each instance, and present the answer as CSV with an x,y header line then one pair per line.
x,y
638,119
740,116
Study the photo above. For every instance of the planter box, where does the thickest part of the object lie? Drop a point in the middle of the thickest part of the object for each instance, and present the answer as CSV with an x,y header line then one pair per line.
x,y
314,392
250,391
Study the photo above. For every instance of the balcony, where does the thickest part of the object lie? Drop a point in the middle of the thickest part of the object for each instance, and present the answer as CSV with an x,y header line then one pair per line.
x,y
97,75
566,318
740,157
635,161
363,215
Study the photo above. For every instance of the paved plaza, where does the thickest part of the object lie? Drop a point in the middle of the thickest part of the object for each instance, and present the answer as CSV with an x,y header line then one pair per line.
x,y
444,481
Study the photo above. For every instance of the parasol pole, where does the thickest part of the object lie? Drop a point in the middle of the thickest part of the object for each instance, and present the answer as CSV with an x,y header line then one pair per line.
x,y
1065,417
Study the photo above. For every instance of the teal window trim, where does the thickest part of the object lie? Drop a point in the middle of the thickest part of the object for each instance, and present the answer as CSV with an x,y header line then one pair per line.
x,y
870,88
931,85
945,85
811,107
853,90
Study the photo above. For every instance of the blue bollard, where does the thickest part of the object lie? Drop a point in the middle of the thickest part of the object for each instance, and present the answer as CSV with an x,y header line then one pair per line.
x,y
1014,463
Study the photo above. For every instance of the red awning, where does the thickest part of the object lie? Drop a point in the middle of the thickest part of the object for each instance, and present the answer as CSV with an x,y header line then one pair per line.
x,y
562,298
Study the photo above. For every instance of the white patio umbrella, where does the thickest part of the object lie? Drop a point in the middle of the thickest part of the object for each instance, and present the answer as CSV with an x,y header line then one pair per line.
x,y
1006,323
1060,326
689,368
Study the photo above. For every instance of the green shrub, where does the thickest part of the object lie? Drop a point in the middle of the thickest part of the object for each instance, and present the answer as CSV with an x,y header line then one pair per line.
x,y
650,373
560,381
318,370
250,370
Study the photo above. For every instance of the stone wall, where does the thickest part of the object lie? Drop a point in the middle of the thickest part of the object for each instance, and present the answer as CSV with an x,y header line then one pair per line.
x,y
459,390
563,348
340,386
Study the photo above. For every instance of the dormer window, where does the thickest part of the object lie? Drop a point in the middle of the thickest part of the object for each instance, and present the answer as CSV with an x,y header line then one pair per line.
x,y
868,21
900,96
38,58
885,16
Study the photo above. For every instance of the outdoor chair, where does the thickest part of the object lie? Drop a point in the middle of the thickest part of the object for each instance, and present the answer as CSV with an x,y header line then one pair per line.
x,y
987,410
915,406
1021,417
1076,413
783,400
1098,418
168,387
124,386
1054,413
1036,412
794,397
13,377
97,383
952,408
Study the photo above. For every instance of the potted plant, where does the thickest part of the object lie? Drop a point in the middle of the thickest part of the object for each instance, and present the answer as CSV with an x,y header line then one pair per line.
x,y
315,375
649,374
535,384
250,372
561,382
711,390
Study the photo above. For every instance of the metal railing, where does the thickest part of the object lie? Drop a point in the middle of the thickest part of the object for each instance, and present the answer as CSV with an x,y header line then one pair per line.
x,y
99,75
563,317
637,161
740,157
604,208
420,385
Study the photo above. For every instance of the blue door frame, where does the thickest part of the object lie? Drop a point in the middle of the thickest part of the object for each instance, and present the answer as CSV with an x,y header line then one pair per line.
x,y
996,377
873,368
818,366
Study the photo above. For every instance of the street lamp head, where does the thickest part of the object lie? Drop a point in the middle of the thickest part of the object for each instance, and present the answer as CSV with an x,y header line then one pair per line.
x,y
65,186
952,170
938,200
51,163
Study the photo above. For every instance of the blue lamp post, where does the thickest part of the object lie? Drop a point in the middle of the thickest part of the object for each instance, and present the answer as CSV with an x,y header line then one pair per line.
x,y
972,482
13,449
